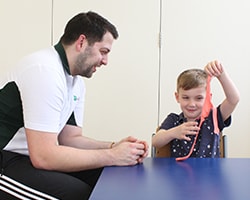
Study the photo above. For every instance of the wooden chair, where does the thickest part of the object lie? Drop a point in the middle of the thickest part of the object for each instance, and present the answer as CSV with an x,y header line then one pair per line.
x,y
165,151
223,145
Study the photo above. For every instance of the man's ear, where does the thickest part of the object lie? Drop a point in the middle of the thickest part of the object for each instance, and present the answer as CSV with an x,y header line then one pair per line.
x,y
81,42
176,96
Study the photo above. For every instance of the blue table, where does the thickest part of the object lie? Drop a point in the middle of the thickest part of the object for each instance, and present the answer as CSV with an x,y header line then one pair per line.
x,y
164,178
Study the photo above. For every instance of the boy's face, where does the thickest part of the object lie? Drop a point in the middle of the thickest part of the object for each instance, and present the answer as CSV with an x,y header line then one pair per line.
x,y
191,102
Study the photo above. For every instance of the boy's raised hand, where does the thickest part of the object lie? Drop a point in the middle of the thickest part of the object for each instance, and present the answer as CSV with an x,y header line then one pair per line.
x,y
214,68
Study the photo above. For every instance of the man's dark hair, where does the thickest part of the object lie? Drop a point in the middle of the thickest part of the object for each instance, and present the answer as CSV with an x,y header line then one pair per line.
x,y
90,24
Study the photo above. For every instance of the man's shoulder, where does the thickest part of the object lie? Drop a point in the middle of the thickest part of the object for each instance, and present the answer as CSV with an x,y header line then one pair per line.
x,y
41,60
43,55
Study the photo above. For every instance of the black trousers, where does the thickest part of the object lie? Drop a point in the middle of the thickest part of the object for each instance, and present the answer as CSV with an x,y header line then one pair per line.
x,y
20,180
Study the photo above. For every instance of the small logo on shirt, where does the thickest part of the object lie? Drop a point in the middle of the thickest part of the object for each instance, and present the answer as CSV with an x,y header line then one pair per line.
x,y
76,98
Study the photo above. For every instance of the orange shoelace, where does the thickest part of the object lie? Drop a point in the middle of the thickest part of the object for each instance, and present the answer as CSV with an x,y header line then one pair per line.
x,y
208,105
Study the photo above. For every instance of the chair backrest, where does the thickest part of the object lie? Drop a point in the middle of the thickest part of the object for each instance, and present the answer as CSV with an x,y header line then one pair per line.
x,y
165,151
223,145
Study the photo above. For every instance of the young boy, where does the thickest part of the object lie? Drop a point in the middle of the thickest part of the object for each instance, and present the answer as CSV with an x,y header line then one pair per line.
x,y
181,129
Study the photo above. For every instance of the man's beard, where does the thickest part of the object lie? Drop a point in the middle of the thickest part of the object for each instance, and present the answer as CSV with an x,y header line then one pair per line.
x,y
83,67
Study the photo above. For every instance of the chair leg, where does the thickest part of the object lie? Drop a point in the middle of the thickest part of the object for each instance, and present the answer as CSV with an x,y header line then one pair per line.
x,y
153,150
224,138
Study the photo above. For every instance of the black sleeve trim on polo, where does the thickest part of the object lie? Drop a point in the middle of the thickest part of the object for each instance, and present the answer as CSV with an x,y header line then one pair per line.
x,y
72,120
11,113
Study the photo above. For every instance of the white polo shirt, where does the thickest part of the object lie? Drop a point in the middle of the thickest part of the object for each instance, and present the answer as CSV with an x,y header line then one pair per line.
x,y
49,95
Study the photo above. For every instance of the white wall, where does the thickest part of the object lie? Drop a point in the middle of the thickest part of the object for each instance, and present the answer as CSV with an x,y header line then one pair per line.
x,y
25,27
122,98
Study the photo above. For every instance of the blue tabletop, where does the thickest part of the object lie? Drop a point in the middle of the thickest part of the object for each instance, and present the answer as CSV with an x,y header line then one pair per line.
x,y
164,178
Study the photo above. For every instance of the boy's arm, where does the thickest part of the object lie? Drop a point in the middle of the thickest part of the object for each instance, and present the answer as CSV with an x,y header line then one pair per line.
x,y
163,137
214,68
231,93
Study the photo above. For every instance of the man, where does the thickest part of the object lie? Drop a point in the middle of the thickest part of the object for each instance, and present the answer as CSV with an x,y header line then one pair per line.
x,y
43,152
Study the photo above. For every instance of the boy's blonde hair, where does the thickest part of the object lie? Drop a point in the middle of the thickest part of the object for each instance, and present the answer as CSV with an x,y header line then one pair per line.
x,y
191,78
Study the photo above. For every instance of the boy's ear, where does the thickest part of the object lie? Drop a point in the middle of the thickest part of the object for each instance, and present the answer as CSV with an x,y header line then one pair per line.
x,y
177,96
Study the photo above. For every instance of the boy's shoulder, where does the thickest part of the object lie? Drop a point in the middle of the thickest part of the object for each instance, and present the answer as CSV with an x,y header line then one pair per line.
x,y
179,117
